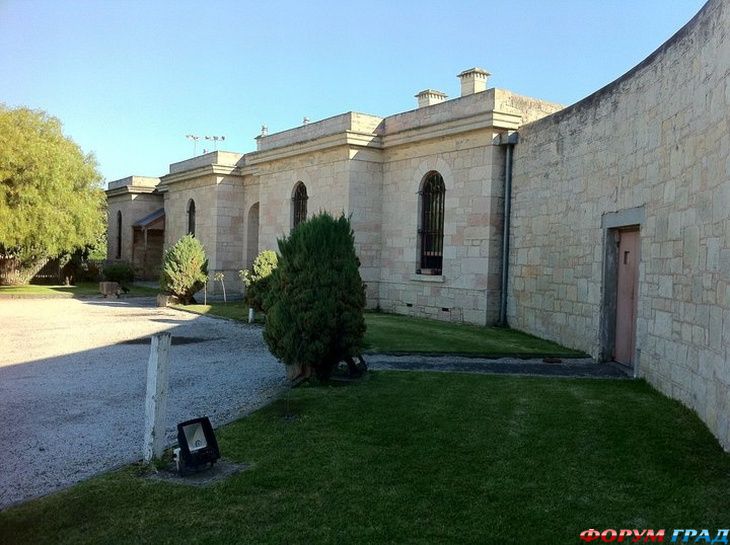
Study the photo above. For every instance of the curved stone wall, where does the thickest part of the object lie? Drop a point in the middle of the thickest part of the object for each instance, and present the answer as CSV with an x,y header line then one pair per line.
x,y
653,147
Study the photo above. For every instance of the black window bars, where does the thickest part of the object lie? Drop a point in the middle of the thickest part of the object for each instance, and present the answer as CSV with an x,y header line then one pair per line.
x,y
191,217
431,228
299,204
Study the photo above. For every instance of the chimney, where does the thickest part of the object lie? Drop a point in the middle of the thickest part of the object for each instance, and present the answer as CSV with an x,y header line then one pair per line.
x,y
428,97
473,81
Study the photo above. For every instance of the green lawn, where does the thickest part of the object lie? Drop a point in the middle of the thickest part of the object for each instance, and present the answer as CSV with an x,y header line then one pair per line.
x,y
235,310
420,458
82,289
393,333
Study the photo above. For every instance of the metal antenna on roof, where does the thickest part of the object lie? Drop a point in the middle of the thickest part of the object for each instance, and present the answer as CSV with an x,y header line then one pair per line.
x,y
195,139
215,140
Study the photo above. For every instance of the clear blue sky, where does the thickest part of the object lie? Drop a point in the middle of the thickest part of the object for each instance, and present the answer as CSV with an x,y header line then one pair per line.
x,y
129,79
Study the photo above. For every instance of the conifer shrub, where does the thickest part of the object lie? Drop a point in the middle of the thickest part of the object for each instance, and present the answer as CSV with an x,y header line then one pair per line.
x,y
184,269
258,279
121,273
315,303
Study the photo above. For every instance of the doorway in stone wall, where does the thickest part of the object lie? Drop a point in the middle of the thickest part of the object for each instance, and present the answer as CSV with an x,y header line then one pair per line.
x,y
620,279
627,294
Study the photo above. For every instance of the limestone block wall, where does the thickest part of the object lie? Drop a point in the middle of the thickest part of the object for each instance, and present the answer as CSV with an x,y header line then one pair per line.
x,y
251,226
133,206
657,138
218,223
472,169
365,207
326,175
230,257
177,197
340,179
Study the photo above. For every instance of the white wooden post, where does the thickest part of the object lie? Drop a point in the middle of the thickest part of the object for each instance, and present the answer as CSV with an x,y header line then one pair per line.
x,y
250,315
156,399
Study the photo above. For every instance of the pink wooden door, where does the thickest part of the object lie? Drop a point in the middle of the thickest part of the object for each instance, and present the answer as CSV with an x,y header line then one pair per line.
x,y
627,294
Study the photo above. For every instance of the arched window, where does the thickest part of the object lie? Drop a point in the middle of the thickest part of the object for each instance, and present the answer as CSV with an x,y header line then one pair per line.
x,y
431,227
119,235
191,217
299,204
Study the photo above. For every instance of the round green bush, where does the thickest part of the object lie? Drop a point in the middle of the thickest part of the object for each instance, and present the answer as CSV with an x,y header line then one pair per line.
x,y
184,269
316,299
121,273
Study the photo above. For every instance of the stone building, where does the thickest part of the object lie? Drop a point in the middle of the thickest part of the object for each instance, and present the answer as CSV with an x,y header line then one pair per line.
x,y
423,189
618,211
135,224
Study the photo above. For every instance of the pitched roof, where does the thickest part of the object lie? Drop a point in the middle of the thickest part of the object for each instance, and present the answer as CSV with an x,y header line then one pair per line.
x,y
149,219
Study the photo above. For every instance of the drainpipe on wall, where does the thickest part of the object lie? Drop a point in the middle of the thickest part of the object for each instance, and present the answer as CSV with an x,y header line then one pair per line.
x,y
508,140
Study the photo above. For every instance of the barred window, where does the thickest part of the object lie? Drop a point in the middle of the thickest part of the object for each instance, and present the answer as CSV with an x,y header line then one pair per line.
x,y
119,235
299,204
191,217
431,228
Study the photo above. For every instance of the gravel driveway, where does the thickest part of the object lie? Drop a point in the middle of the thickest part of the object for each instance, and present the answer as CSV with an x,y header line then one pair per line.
x,y
72,381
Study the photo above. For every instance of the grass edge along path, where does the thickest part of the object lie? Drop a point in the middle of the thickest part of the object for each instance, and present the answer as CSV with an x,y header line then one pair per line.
x,y
396,334
81,289
419,458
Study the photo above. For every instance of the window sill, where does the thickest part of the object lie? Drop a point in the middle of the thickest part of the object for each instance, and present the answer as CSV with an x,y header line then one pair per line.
x,y
428,278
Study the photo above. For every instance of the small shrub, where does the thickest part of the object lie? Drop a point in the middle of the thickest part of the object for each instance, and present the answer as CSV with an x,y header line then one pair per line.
x,y
184,269
121,273
316,300
257,279
220,277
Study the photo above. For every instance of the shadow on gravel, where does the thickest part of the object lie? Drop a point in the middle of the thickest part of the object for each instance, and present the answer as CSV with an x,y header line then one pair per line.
x,y
72,389
176,340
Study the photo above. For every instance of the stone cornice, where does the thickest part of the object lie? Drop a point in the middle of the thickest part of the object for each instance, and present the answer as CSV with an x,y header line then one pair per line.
x,y
346,138
207,170
130,190
351,139
486,120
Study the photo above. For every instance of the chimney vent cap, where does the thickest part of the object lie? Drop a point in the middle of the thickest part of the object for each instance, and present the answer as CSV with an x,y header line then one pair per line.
x,y
433,92
475,70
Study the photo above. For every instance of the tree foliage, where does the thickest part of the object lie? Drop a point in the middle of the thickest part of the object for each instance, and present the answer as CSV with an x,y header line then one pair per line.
x,y
257,279
315,304
184,269
51,201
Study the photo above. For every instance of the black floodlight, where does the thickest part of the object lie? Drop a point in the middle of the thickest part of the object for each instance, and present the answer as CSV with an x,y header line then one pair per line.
x,y
198,445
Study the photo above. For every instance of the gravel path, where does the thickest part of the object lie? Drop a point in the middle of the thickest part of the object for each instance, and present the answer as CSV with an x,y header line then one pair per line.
x,y
72,381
